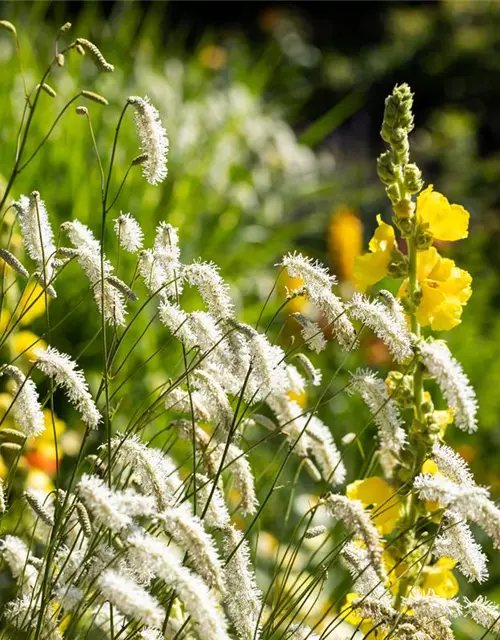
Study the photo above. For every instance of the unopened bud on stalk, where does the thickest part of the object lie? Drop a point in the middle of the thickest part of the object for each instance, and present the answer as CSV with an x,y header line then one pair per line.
x,y
139,159
398,266
413,178
8,26
60,60
388,172
394,193
66,27
423,238
82,111
9,433
99,60
80,50
95,97
13,262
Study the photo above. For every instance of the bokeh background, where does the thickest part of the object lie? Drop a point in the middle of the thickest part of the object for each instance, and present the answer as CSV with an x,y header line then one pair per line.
x,y
273,113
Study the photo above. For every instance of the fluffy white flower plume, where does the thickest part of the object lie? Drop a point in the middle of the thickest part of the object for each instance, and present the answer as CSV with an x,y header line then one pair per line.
x,y
129,233
469,502
152,469
485,613
390,328
23,614
188,533
456,541
153,139
212,288
216,401
365,578
243,597
26,408
38,238
147,553
311,333
385,413
267,367
110,300
63,370
451,464
429,607
355,518
15,553
238,466
114,510
323,449
130,598
453,382
160,267
318,284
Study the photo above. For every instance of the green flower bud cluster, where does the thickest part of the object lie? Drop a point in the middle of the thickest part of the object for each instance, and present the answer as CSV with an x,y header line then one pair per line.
x,y
398,122
398,266
401,388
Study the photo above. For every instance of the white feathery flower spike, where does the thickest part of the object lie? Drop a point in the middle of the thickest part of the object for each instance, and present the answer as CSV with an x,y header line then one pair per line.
x,y
236,463
147,553
15,553
216,401
128,232
63,370
429,607
160,267
485,613
311,333
390,328
187,531
243,597
113,509
452,465
26,408
385,413
267,368
216,515
314,375
318,284
152,469
130,598
322,447
23,614
457,541
110,301
358,520
213,290
365,578
38,238
453,382
102,619
153,139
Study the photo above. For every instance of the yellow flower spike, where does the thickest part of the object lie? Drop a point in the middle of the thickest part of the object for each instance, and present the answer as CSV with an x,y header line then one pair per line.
x,y
443,220
32,303
372,267
445,290
379,494
439,579
26,343
345,241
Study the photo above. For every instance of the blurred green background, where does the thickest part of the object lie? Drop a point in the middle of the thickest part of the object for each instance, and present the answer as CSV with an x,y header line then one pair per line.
x,y
273,112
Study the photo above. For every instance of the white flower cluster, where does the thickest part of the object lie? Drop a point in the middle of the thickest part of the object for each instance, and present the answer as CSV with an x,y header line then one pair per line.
x,y
153,139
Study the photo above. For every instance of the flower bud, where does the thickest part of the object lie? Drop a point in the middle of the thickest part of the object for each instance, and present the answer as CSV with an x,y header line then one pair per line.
x,y
60,60
386,169
398,266
397,113
404,208
413,178
81,111
423,238
394,193
8,26
66,27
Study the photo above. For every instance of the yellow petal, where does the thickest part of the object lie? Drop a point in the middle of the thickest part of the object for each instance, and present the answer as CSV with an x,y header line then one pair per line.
x,y
370,268
383,238
32,303
445,221
26,343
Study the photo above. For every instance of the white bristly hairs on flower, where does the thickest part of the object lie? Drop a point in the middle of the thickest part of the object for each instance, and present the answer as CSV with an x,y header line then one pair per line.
x,y
112,304
485,613
23,614
216,515
129,233
113,509
236,463
216,401
187,531
430,607
267,366
356,519
211,287
365,579
63,370
322,447
243,597
318,283
152,469
15,553
311,333
453,382
385,413
467,501
312,373
153,139
130,598
391,329
26,408
147,553
182,402
451,464
456,541
38,238
314,532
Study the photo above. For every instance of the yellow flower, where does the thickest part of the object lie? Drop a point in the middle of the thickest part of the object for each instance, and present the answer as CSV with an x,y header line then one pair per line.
x,y
32,303
443,220
445,290
439,579
372,267
4,319
379,494
37,479
365,625
345,241
26,342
